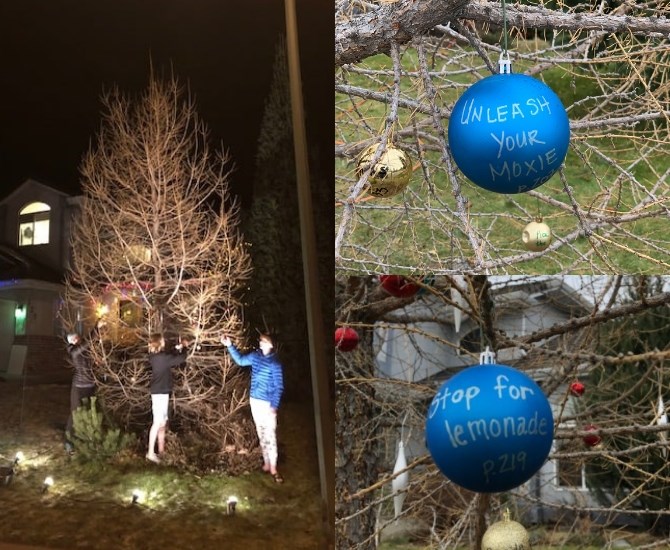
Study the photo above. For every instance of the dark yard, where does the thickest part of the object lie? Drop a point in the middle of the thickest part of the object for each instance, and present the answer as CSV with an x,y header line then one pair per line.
x,y
90,506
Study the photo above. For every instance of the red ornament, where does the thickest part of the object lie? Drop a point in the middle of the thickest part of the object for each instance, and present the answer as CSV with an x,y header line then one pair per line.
x,y
346,338
591,440
577,388
398,286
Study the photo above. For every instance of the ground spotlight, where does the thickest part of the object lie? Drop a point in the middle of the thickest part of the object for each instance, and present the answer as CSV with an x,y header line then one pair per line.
x,y
232,503
18,457
137,495
48,482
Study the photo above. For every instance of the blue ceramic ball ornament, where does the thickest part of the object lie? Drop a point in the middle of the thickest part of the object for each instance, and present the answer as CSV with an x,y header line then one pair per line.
x,y
509,133
489,428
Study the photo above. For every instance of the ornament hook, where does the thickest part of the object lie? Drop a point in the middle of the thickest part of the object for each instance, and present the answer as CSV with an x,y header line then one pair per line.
x,y
487,357
504,63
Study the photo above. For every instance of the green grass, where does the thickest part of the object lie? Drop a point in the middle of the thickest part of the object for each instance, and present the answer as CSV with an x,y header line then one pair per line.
x,y
415,231
90,504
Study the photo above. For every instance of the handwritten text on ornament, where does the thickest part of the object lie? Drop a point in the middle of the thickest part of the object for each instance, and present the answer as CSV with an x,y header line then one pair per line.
x,y
533,106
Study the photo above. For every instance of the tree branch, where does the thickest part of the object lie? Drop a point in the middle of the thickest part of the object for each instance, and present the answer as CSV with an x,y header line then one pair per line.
x,y
372,32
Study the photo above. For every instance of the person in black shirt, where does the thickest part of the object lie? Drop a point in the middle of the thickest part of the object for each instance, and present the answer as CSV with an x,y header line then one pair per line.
x,y
161,363
83,380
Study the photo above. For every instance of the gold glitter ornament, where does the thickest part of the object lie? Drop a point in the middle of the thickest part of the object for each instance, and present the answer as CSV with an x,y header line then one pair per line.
x,y
390,175
506,535
536,235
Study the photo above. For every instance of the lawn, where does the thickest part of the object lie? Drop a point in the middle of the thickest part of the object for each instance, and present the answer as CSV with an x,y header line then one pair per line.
x,y
419,230
558,538
90,506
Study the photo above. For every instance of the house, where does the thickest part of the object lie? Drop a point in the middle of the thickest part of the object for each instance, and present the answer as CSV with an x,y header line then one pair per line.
x,y
34,255
444,341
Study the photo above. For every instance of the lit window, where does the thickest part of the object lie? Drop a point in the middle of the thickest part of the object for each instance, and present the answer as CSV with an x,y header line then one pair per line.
x,y
34,224
130,314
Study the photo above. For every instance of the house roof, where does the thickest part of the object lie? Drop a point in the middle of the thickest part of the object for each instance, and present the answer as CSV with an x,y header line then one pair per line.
x,y
15,265
551,290
510,294
30,182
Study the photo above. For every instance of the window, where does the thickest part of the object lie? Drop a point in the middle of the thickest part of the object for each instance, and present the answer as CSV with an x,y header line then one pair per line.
x,y
131,314
570,471
34,224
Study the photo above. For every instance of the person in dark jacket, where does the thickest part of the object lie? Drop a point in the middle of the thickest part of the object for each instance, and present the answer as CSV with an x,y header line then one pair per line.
x,y
83,380
267,386
162,364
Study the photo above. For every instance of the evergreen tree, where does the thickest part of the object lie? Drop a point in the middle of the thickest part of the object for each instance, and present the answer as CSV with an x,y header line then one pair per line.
x,y
273,226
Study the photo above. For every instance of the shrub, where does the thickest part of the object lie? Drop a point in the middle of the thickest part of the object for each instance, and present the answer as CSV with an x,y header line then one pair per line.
x,y
94,438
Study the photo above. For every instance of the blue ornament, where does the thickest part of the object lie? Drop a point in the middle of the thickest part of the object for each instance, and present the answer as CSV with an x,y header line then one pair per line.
x,y
509,133
489,428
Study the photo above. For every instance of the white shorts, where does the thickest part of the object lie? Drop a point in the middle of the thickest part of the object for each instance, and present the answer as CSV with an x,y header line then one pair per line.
x,y
159,407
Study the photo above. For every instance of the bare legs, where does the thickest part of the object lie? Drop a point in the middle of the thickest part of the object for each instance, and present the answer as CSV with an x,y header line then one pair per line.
x,y
156,433
159,404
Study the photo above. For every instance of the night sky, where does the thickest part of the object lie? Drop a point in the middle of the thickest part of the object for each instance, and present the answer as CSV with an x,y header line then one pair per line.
x,y
58,56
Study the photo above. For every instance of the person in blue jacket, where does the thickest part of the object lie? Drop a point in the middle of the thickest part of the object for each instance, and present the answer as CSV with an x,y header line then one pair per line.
x,y
267,386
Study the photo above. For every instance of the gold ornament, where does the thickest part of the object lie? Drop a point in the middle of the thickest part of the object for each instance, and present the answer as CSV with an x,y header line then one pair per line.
x,y
536,235
506,535
390,175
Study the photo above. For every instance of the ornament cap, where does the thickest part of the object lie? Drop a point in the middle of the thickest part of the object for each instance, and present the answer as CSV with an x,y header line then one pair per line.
x,y
487,357
504,63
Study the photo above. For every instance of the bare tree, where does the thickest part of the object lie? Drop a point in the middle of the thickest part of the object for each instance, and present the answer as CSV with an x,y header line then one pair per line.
x,y
401,66
620,408
156,248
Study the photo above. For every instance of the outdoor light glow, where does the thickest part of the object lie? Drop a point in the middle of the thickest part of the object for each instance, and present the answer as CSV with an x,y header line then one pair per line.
x,y
102,310
137,495
232,503
48,482
19,457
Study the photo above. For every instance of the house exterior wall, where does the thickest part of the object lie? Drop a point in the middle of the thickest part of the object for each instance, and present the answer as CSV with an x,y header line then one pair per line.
x,y
6,331
418,351
53,253
45,356
45,353
46,359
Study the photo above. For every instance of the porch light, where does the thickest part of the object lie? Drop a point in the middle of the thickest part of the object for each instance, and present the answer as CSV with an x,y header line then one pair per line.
x,y
20,312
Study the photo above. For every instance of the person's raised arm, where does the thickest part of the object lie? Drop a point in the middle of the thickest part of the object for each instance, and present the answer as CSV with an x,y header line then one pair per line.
x,y
239,358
